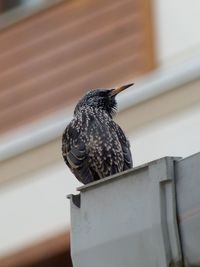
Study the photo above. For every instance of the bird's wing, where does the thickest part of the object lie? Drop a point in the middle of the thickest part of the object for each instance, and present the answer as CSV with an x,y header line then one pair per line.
x,y
125,145
110,150
75,155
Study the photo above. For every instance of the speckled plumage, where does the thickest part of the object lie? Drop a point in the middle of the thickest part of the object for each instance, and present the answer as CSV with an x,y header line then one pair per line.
x,y
93,145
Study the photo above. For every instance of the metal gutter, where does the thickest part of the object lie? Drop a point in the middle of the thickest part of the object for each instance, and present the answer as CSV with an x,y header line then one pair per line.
x,y
156,83
119,216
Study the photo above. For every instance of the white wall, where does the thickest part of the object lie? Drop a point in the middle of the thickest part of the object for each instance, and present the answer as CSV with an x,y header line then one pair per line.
x,y
177,29
174,135
35,207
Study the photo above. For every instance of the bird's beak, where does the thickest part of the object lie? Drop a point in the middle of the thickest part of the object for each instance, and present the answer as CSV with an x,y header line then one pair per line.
x,y
120,89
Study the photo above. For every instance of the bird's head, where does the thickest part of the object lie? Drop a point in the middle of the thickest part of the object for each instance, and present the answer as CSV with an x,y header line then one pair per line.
x,y
101,98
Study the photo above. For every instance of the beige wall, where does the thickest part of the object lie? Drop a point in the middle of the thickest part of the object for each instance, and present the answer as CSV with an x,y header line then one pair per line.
x,y
176,23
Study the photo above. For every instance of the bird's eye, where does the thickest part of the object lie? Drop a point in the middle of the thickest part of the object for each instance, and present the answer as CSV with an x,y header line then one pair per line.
x,y
102,94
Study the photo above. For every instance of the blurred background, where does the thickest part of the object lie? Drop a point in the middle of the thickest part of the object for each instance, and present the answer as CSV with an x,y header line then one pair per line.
x,y
51,53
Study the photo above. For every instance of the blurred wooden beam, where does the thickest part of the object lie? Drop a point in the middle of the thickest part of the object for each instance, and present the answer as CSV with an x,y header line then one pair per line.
x,y
49,60
148,22
1,6
54,249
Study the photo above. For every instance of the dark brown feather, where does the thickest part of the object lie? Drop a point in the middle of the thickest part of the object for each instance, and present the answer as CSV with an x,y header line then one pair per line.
x,y
94,146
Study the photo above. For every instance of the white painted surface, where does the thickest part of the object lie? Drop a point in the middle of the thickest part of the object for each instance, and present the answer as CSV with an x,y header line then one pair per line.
x,y
35,207
175,135
176,29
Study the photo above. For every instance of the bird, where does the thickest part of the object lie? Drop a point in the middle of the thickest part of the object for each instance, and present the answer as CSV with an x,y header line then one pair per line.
x,y
93,145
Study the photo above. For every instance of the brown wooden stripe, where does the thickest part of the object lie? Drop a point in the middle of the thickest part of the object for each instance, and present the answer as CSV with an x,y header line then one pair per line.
x,y
18,115
65,73
39,252
53,19
50,59
72,52
37,48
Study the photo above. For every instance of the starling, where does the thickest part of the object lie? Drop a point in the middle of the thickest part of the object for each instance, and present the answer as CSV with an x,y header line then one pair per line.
x,y
93,145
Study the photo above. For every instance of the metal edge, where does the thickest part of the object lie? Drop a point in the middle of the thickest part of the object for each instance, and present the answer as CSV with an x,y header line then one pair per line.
x,y
120,175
